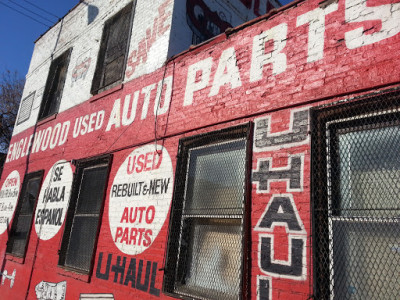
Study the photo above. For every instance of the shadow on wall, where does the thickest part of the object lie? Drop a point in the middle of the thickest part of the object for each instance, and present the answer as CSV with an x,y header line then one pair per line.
x,y
93,12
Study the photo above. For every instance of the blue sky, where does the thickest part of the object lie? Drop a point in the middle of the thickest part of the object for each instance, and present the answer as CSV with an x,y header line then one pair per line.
x,y
18,32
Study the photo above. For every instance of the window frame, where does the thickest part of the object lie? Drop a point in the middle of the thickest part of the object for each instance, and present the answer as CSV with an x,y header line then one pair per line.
x,y
244,131
17,214
82,165
98,84
48,99
28,107
356,114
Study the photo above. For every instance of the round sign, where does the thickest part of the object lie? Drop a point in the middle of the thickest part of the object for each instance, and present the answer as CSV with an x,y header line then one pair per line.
x,y
53,200
140,198
8,199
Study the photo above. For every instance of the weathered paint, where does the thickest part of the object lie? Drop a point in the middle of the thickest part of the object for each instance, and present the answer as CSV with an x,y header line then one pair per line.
x,y
271,73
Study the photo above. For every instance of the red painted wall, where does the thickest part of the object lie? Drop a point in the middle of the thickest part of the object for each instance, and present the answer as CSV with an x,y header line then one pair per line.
x,y
226,90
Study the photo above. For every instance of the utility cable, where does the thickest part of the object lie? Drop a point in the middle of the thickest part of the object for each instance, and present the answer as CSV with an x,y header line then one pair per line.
x,y
38,7
31,11
22,13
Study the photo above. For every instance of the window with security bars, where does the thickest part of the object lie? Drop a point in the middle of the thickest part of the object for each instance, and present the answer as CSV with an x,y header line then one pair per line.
x,y
111,60
356,165
84,212
55,85
22,223
206,249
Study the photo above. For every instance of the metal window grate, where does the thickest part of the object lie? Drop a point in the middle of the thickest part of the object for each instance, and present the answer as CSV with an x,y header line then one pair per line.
x,y
80,234
205,248
356,185
22,223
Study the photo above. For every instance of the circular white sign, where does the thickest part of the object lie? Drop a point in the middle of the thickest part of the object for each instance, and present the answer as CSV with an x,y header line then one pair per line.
x,y
140,198
8,199
53,200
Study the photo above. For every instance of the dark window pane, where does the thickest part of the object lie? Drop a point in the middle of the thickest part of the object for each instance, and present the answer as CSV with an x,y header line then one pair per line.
x,y
80,249
55,85
83,216
112,70
20,234
21,226
113,49
117,38
91,191
29,201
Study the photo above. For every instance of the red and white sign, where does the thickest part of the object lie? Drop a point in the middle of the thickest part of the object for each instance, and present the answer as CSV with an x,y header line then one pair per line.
x,y
53,200
140,198
8,199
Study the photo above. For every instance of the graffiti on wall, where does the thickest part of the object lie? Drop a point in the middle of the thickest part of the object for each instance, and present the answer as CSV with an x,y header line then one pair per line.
x,y
140,198
82,66
204,21
53,200
136,273
51,291
158,29
280,223
5,276
8,199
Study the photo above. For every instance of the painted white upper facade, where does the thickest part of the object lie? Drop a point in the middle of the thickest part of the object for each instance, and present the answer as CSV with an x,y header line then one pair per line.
x,y
160,29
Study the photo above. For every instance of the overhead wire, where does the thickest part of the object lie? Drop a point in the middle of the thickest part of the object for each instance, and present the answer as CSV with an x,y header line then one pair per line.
x,y
24,14
31,11
38,7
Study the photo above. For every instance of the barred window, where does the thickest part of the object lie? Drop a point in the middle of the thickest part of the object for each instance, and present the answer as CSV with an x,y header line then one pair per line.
x,y
55,85
111,60
22,223
84,212
205,248
356,210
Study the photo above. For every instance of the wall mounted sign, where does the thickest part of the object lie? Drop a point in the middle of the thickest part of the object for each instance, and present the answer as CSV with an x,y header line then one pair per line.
x,y
8,199
53,200
140,198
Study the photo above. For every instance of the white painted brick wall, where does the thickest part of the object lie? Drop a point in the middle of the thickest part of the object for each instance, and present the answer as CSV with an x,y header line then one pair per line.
x,y
151,29
74,31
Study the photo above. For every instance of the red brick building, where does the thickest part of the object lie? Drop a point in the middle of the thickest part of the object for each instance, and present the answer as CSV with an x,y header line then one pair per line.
x,y
261,164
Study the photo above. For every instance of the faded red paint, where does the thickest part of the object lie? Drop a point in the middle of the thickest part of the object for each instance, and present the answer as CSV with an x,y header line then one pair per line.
x,y
341,73
139,56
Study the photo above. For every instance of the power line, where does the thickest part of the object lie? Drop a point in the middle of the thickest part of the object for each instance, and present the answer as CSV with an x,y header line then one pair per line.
x,y
31,11
24,14
49,13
